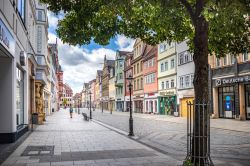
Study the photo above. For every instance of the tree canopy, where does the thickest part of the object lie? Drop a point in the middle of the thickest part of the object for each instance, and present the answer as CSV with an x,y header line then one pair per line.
x,y
155,21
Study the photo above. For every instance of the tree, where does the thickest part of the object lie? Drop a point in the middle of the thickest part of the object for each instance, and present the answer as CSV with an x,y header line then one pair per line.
x,y
212,26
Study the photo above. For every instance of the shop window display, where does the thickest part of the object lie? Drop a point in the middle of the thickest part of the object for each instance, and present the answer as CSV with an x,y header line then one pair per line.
x,y
19,98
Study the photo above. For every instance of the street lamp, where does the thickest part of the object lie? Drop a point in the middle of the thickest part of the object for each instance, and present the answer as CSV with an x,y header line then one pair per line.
x,y
131,130
90,112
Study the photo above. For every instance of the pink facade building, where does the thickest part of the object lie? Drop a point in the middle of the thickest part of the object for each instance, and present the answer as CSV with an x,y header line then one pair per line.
x,y
150,80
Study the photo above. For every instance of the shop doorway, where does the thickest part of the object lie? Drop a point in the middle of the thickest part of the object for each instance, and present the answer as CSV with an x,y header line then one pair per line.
x,y
227,102
247,92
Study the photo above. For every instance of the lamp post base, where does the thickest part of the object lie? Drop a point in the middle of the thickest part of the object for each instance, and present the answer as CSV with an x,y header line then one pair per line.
x,y
131,130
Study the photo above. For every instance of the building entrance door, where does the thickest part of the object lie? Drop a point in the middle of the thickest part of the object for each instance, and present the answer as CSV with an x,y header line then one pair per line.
x,y
227,102
247,93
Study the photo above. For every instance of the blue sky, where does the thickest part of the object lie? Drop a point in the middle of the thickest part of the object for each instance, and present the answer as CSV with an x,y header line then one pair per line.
x,y
81,62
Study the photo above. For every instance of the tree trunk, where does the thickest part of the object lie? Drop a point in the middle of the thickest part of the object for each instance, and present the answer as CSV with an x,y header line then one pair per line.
x,y
201,90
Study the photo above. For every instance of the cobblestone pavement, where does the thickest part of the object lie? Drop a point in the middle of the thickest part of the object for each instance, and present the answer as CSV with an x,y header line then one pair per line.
x,y
65,141
228,147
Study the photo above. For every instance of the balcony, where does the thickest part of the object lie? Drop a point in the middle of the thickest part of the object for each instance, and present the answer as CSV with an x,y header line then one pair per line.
x,y
42,64
41,76
118,83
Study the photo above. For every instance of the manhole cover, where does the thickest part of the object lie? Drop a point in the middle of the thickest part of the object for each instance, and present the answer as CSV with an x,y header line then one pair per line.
x,y
38,151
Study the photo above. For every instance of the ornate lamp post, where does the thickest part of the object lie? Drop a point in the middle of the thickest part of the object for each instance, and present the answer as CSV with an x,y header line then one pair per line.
x,y
90,112
131,130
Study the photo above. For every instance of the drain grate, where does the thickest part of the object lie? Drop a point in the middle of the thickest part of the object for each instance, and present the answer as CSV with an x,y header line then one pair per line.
x,y
38,151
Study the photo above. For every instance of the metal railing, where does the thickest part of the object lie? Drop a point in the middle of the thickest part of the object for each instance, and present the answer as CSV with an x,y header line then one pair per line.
x,y
198,133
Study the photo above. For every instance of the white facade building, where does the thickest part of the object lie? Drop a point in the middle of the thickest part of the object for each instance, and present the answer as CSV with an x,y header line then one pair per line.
x,y
185,75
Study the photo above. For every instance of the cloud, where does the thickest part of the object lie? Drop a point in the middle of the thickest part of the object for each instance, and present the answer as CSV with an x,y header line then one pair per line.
x,y
79,64
124,43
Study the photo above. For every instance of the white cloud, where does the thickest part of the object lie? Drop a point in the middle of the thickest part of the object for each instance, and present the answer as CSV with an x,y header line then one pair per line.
x,y
79,65
124,43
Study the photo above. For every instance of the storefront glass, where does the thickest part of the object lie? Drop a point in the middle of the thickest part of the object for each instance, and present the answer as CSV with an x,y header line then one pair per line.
x,y
138,106
19,98
167,105
247,92
226,102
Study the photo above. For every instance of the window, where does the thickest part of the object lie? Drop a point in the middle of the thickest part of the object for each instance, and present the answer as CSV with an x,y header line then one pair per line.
x,y
137,67
162,67
163,47
138,84
186,57
225,60
134,84
141,83
181,82
167,84
149,63
181,58
153,61
134,69
39,39
19,97
120,64
218,62
172,63
232,59
21,8
150,78
141,66
162,85
187,81
172,83
172,44
245,56
39,15
166,65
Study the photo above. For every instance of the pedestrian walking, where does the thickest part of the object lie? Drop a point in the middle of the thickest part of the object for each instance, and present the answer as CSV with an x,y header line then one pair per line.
x,y
71,111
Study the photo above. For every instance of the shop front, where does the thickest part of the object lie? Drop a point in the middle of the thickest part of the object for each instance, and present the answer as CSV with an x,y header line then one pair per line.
x,y
127,103
138,104
13,85
119,104
167,103
151,102
231,97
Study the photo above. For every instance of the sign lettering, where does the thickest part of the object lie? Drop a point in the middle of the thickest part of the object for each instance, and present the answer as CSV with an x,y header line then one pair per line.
x,y
6,38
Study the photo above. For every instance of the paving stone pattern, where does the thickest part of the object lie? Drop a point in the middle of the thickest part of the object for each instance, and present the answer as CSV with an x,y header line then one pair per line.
x,y
229,146
65,141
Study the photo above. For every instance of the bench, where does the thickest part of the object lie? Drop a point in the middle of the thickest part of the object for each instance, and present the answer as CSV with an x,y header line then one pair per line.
x,y
85,116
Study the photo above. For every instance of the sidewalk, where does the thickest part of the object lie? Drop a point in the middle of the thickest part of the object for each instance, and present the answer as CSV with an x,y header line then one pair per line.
x,y
65,141
225,124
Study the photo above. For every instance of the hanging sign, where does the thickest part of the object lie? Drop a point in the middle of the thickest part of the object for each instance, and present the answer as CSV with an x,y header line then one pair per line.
x,y
6,38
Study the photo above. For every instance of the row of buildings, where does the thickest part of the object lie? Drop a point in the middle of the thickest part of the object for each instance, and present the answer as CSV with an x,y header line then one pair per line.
x,y
163,82
31,78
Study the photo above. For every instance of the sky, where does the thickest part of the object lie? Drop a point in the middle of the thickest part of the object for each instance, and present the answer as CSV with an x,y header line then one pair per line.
x,y
80,63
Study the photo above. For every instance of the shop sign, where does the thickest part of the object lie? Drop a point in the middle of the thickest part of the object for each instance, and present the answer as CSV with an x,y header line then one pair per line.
x,y
224,81
6,38
151,94
167,93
